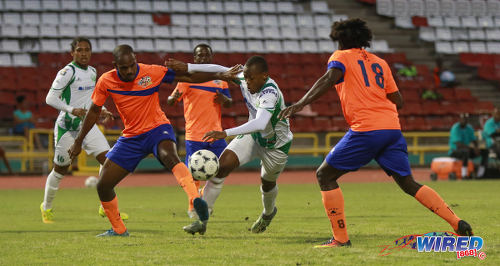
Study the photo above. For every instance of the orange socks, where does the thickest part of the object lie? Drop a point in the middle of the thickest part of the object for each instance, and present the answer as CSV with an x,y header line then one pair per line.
x,y
430,199
111,210
185,179
334,207
197,184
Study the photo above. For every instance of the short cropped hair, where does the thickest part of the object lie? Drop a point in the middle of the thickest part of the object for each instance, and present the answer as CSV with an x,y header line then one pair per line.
x,y
204,45
351,33
122,49
76,40
259,62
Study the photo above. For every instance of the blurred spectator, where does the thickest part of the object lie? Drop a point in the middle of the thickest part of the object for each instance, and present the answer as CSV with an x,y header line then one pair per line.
x,y
443,78
431,94
464,146
491,133
24,120
5,161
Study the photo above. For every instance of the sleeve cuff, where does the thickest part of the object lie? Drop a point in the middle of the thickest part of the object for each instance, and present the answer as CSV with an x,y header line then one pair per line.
x,y
336,64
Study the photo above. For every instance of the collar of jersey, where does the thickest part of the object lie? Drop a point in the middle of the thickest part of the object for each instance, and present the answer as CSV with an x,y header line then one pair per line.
x,y
77,65
265,83
137,73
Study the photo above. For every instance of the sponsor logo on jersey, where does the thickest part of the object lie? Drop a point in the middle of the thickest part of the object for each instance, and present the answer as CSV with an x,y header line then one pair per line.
x,y
85,88
145,81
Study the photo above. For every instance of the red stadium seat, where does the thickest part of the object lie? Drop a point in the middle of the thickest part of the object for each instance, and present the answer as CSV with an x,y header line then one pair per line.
x,y
228,122
301,124
322,124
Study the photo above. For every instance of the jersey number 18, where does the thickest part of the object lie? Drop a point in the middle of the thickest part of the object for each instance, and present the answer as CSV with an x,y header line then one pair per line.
x,y
377,69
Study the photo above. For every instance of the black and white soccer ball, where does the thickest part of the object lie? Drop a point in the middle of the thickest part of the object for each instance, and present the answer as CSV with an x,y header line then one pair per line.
x,y
203,165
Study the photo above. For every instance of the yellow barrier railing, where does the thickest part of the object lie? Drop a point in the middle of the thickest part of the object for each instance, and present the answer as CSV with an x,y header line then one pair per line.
x,y
28,154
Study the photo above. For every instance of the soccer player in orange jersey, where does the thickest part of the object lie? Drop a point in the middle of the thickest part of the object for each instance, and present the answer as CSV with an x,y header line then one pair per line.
x,y
369,98
134,89
202,110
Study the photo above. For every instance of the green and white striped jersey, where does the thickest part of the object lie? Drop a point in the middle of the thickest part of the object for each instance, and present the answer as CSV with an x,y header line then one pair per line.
x,y
277,134
74,86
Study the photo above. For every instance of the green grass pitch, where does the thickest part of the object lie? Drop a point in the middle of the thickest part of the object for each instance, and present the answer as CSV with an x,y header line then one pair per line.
x,y
377,214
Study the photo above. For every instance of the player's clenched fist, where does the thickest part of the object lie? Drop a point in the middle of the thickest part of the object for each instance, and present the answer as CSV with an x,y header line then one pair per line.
x,y
80,112
176,65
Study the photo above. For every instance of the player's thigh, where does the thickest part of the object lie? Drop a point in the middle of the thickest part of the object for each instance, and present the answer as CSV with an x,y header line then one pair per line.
x,y
394,157
162,143
244,147
110,175
63,141
126,153
353,151
273,162
95,142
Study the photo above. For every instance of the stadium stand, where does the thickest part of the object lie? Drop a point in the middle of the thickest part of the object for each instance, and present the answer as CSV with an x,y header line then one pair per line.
x,y
292,35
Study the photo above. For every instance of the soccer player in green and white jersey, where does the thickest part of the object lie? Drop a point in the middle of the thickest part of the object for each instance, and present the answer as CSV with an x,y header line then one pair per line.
x,y
70,93
263,136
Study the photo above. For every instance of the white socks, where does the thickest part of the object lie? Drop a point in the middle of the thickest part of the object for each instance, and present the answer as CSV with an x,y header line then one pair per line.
x,y
211,191
269,199
464,171
480,171
51,188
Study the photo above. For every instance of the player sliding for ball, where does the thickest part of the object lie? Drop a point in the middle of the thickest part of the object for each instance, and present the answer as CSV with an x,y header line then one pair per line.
x,y
134,89
263,136
369,98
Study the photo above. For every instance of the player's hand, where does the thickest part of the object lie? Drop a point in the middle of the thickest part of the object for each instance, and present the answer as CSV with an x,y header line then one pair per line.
x,y
214,135
220,98
290,110
231,74
80,112
106,116
176,65
74,150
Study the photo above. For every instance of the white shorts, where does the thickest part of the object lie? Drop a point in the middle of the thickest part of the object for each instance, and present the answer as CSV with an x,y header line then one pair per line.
x,y
273,161
94,144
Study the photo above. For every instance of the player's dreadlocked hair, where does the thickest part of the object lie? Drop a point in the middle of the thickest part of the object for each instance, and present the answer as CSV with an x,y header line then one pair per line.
x,y
351,33
76,40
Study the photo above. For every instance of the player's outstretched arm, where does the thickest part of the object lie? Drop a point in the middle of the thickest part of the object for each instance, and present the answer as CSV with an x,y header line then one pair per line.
x,y
200,77
260,122
319,88
90,119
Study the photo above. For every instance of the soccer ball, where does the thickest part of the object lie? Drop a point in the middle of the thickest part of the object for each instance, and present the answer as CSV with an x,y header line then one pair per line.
x,y
91,181
203,165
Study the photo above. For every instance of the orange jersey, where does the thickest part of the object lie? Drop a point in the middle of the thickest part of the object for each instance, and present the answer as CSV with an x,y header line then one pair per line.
x,y
363,88
200,111
137,101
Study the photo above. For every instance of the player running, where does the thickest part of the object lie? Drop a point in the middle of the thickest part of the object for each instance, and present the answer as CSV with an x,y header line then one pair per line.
x,y
369,98
70,94
134,89
264,136
202,110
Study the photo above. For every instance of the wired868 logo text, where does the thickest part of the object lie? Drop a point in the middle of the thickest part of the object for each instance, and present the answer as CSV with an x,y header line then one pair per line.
x,y
462,246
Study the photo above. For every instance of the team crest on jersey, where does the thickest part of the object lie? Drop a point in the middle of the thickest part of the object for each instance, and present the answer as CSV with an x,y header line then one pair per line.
x,y
63,72
145,81
218,82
